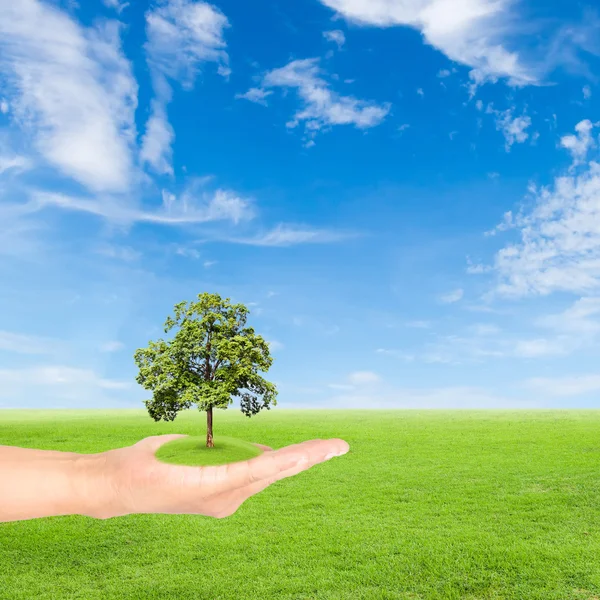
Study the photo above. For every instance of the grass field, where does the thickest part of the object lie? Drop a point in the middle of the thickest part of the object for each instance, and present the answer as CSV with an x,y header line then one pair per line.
x,y
192,451
426,505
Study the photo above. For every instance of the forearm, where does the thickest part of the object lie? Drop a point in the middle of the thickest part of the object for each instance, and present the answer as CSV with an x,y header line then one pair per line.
x,y
46,483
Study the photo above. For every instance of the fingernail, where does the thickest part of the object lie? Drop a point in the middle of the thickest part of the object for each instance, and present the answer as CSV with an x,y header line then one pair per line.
x,y
331,455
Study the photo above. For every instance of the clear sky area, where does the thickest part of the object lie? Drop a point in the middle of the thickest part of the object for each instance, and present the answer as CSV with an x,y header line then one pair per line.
x,y
405,193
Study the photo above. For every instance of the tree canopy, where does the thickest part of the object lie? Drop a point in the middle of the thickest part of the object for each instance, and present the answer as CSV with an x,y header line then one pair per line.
x,y
212,358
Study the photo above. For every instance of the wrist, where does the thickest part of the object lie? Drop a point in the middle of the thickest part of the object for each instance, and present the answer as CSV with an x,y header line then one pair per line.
x,y
95,489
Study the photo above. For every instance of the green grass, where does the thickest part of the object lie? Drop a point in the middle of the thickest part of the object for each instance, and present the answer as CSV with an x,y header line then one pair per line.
x,y
192,451
426,505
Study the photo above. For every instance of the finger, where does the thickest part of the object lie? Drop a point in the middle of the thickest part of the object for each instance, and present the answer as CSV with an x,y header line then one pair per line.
x,y
273,464
236,498
154,442
265,448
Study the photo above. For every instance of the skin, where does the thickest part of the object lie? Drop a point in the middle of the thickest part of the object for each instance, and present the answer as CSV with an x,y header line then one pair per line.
x,y
130,480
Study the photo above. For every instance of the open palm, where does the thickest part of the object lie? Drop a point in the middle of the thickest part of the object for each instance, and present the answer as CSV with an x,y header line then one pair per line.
x,y
140,483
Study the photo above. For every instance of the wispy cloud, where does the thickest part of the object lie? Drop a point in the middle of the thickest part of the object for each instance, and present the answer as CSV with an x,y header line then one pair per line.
x,y
61,386
322,107
457,397
559,246
56,72
290,235
256,95
27,344
112,346
471,32
514,129
564,386
187,209
182,34
581,142
452,297
123,253
358,380
336,36
57,375
14,163
363,377
575,329
118,5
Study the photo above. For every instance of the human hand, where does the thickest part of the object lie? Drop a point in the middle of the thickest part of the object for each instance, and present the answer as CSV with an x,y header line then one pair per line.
x,y
132,480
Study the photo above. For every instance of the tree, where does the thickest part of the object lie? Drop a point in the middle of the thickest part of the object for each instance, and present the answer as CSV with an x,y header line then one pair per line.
x,y
212,358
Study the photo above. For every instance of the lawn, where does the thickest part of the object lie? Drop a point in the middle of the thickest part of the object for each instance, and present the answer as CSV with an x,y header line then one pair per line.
x,y
426,505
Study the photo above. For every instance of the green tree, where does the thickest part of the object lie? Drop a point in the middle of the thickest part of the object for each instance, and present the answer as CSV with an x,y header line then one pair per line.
x,y
212,358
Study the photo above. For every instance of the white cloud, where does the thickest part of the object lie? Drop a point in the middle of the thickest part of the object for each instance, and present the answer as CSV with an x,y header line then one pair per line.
x,y
457,397
577,319
336,36
580,143
514,129
256,95
486,341
403,127
565,386
58,386
476,269
322,107
191,207
118,5
187,252
451,297
536,348
471,32
576,328
289,235
4,107
72,89
27,344
14,163
443,73
112,346
182,34
57,376
420,92
209,263
587,92
363,377
157,140
559,246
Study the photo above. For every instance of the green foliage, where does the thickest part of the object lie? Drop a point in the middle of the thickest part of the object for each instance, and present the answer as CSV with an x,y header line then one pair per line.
x,y
212,358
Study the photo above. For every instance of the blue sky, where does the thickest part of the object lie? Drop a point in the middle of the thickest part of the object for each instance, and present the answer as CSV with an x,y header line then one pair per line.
x,y
405,193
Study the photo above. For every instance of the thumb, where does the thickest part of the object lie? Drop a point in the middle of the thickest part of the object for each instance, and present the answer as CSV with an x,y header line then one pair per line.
x,y
154,442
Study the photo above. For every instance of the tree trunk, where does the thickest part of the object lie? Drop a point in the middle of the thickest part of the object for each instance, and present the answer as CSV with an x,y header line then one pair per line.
x,y
209,428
